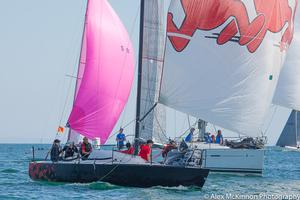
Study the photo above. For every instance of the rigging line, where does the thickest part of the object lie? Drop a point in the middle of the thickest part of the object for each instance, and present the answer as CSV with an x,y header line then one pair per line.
x,y
188,129
183,124
117,165
296,120
188,118
159,125
126,125
70,82
272,117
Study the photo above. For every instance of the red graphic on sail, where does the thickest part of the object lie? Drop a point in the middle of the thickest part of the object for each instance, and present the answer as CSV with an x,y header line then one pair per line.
x,y
208,15
277,13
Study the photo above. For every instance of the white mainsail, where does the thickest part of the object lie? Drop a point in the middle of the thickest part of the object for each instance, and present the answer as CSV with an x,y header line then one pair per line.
x,y
288,90
153,126
223,59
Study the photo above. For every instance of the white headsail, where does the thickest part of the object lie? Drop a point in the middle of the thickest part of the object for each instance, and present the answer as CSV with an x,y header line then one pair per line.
x,y
223,59
288,90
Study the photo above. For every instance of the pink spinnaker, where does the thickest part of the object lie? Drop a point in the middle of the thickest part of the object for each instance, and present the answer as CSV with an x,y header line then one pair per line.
x,y
105,73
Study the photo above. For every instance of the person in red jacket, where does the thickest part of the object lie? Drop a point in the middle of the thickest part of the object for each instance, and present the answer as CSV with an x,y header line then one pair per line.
x,y
145,151
129,150
167,148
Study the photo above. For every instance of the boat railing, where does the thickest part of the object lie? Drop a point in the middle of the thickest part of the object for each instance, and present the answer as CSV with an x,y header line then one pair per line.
x,y
201,160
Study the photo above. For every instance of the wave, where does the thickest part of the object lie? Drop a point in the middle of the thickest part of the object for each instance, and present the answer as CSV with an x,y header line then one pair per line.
x,y
179,188
103,186
10,171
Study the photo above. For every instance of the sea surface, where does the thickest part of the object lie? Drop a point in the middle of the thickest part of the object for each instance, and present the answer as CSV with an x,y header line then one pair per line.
x,y
281,180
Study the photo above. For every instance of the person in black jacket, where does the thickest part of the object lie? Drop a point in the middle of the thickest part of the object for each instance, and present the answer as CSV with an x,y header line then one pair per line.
x,y
69,150
55,151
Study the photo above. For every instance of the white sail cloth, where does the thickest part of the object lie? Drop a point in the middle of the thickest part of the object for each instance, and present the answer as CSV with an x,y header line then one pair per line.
x,y
222,62
154,125
288,89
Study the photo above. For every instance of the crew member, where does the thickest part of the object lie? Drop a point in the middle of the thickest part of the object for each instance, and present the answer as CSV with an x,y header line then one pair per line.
x,y
213,138
129,150
145,151
69,150
168,148
189,137
120,139
55,151
219,138
207,138
85,149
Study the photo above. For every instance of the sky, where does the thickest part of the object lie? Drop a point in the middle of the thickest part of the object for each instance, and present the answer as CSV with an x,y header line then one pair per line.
x,y
39,49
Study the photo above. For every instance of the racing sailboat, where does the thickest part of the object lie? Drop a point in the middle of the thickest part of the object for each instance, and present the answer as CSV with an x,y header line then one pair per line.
x,y
105,76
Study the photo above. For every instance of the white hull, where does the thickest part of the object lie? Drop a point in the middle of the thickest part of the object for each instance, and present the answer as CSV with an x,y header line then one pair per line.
x,y
215,157
222,159
292,148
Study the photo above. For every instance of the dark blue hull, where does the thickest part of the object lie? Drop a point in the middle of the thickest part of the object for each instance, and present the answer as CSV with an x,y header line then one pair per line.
x,y
118,174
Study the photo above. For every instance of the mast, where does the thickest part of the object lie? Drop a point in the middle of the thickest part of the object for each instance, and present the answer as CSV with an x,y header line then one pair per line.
x,y
139,86
82,38
202,129
296,124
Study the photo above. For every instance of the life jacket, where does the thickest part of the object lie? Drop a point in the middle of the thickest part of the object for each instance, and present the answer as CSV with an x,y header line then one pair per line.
x,y
85,147
128,151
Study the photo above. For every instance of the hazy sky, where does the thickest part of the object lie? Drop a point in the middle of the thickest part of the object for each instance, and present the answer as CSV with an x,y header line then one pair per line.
x,y
39,48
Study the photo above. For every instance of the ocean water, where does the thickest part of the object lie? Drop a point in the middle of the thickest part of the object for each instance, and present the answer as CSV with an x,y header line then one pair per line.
x,y
281,180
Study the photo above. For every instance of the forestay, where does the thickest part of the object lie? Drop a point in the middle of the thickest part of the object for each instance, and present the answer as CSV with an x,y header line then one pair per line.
x,y
223,59
105,73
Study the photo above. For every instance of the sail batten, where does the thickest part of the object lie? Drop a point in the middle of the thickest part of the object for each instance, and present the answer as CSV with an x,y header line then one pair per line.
x,y
223,59
107,70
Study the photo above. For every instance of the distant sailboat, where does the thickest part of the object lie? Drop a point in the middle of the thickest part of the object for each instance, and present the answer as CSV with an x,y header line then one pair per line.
x,y
290,137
